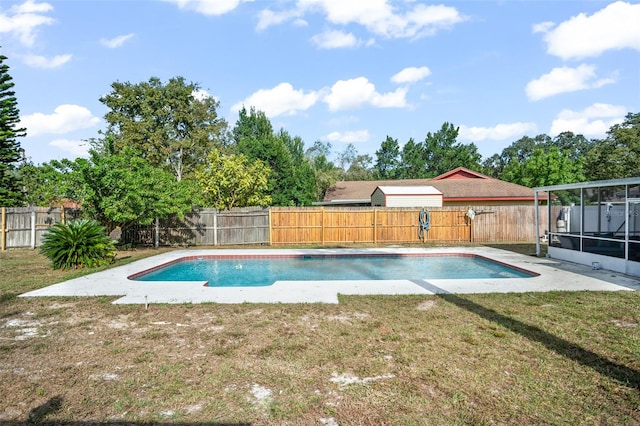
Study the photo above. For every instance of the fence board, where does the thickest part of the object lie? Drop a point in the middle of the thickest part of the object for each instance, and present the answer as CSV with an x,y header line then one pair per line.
x,y
305,225
363,225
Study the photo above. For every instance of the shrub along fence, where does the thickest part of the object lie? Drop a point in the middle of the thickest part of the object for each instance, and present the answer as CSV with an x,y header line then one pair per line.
x,y
24,227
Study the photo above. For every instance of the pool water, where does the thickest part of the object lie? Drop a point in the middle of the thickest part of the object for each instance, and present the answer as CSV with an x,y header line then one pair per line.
x,y
264,271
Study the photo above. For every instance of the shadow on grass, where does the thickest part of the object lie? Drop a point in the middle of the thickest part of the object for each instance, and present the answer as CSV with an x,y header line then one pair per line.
x,y
37,416
618,372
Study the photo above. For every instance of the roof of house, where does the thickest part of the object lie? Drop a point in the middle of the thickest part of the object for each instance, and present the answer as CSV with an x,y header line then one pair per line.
x,y
460,184
408,190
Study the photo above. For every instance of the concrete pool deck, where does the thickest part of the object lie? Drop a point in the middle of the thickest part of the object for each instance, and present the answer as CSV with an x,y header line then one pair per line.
x,y
553,275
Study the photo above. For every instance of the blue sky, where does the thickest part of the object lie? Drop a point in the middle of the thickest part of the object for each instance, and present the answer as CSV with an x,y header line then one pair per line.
x,y
332,70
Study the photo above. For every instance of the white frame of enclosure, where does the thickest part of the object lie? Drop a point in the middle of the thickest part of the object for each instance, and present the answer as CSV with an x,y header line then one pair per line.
x,y
582,249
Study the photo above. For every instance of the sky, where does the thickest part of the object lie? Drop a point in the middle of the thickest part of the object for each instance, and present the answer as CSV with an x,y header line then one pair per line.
x,y
334,71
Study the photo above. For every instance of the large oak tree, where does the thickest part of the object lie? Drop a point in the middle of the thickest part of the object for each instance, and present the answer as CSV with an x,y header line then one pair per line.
x,y
173,125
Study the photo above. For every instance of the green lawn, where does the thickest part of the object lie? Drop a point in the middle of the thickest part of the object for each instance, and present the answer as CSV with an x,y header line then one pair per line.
x,y
535,358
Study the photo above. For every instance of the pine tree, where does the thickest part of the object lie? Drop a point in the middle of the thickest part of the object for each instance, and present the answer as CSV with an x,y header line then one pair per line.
x,y
11,194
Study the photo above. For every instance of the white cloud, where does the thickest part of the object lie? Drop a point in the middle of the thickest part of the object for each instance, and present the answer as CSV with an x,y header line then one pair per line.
x,y
38,61
75,147
65,119
30,6
377,16
612,28
498,132
354,93
594,121
201,95
543,27
118,41
563,80
267,18
411,75
354,136
208,7
283,99
334,40
22,21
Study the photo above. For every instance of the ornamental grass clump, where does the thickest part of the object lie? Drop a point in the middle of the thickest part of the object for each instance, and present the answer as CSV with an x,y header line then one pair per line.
x,y
78,244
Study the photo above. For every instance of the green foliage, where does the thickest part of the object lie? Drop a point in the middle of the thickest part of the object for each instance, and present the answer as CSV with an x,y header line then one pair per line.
x,y
78,244
300,185
45,185
573,146
172,125
439,153
617,156
443,152
355,166
10,152
544,168
325,173
412,160
290,182
388,160
228,181
125,190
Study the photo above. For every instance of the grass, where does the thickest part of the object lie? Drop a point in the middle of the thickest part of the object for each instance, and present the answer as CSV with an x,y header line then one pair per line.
x,y
533,358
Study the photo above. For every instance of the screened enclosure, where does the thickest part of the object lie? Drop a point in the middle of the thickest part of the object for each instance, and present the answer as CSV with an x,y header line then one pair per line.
x,y
595,223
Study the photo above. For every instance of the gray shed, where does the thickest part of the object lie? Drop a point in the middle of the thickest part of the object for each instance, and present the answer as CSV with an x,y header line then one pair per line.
x,y
406,196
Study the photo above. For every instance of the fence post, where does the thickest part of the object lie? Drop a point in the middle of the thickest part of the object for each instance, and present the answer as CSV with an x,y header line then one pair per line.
x,y
156,236
322,225
270,226
375,226
33,228
215,227
3,229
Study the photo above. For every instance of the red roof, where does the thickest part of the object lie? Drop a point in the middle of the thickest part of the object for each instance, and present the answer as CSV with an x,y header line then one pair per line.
x,y
460,184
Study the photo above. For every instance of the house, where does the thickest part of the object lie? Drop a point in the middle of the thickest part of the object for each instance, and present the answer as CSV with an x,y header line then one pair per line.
x,y
406,196
459,187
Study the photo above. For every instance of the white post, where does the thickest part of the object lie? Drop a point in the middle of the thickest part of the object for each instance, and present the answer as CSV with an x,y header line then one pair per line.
x,y
215,227
33,228
156,239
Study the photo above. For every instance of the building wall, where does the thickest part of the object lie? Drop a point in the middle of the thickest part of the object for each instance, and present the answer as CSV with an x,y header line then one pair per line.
x,y
378,199
473,203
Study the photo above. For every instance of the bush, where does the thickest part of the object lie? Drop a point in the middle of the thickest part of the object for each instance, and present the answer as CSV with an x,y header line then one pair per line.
x,y
78,244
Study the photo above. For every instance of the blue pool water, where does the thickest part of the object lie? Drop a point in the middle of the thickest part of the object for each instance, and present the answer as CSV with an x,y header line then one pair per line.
x,y
265,271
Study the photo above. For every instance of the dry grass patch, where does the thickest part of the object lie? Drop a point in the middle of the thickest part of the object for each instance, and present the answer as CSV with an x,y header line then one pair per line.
x,y
551,358
543,358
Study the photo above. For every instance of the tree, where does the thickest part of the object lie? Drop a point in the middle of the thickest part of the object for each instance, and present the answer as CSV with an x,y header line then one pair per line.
x,y
228,181
46,185
388,160
326,174
355,166
544,168
618,155
124,190
412,161
301,185
443,153
173,125
572,145
10,152
254,138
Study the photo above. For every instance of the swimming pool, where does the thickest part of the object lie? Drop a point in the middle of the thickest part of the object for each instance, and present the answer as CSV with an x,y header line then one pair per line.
x,y
237,271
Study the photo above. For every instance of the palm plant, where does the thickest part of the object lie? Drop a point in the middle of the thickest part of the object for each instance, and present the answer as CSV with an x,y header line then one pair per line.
x,y
80,243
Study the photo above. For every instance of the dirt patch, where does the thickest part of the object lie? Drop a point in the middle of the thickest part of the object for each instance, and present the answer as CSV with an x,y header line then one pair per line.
x,y
374,359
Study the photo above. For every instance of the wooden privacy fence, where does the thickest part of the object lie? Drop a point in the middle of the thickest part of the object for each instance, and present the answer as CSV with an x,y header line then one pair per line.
x,y
364,225
24,227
